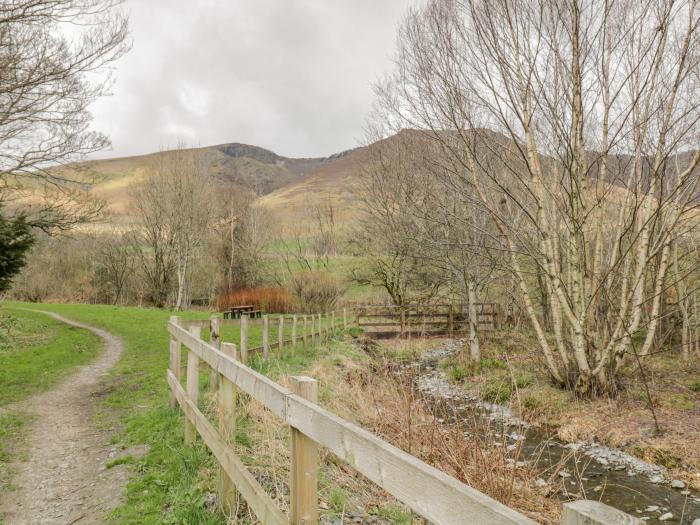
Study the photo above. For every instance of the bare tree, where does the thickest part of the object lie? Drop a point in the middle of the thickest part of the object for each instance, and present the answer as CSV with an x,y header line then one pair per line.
x,y
577,124
244,233
173,209
422,227
115,261
53,58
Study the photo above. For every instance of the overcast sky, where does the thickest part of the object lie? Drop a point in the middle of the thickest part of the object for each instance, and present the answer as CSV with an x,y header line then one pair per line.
x,y
294,76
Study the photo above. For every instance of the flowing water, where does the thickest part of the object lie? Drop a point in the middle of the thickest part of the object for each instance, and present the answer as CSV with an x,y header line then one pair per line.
x,y
568,470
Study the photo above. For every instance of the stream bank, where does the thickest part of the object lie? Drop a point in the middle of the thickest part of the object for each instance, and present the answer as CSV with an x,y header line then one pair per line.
x,y
569,470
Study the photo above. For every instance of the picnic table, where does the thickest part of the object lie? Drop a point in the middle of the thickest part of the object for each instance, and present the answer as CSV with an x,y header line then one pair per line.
x,y
235,312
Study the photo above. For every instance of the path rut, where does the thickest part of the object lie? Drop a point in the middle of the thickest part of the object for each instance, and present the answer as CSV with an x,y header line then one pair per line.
x,y
64,480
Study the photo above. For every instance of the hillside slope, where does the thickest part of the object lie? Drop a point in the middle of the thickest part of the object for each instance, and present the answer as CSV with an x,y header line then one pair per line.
x,y
332,182
243,164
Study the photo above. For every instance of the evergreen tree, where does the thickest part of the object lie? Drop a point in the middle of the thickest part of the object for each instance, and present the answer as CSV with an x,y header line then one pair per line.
x,y
15,239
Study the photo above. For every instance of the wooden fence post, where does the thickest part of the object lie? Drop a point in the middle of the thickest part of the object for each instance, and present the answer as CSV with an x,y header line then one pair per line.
x,y
345,318
227,428
320,328
294,332
304,473
175,360
303,334
192,385
280,333
244,339
313,330
403,321
216,342
332,323
266,336
587,512
450,322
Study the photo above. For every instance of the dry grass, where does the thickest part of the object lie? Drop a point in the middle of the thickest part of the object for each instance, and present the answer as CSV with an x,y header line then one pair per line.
x,y
380,395
368,387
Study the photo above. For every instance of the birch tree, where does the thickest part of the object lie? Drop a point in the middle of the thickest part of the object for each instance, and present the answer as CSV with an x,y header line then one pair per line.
x,y
577,123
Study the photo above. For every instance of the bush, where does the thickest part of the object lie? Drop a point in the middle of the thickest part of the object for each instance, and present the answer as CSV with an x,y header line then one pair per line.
x,y
276,300
316,291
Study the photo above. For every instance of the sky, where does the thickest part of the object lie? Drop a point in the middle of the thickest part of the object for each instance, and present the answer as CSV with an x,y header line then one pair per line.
x,y
293,76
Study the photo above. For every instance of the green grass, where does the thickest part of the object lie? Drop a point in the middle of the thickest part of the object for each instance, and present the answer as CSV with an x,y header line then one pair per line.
x,y
37,351
169,484
12,425
392,513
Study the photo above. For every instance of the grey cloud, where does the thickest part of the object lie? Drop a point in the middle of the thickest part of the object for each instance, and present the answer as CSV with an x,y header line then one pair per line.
x,y
291,75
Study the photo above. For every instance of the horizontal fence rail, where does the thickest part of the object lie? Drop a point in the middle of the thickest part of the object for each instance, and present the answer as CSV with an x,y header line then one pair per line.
x,y
438,497
429,319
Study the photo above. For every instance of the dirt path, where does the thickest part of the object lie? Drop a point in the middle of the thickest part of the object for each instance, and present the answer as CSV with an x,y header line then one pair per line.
x,y
63,479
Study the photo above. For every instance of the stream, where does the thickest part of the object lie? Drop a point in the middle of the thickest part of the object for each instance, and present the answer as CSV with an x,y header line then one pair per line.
x,y
570,470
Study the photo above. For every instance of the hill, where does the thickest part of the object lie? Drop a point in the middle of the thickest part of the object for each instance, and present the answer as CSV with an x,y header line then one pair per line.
x,y
329,183
243,164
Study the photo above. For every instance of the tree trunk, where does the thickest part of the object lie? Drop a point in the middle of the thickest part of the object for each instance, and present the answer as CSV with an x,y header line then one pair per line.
x,y
474,349
181,282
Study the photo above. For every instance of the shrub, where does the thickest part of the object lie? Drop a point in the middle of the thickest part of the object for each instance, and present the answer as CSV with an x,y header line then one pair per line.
x,y
266,299
316,291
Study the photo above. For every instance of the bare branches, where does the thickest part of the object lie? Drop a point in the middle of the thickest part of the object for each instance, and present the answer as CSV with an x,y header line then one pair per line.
x,y
54,56
576,124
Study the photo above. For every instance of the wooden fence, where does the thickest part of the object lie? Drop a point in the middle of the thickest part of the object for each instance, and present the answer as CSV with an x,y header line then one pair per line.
x,y
278,331
429,319
429,492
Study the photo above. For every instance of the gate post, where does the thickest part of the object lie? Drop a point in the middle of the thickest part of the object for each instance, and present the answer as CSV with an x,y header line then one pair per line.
x,y
175,360
244,339
266,336
215,340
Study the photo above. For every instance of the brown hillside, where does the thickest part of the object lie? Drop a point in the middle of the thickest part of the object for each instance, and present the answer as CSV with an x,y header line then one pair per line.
x,y
250,166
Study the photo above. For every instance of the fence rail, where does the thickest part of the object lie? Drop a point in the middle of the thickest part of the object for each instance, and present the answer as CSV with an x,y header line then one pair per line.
x,y
431,319
429,492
